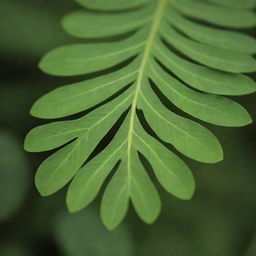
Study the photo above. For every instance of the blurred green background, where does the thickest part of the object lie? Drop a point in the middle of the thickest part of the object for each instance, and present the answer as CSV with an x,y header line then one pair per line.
x,y
219,221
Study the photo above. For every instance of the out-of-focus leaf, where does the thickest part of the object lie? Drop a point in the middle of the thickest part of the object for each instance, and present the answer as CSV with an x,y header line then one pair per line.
x,y
13,249
172,243
14,176
251,250
28,29
15,99
83,234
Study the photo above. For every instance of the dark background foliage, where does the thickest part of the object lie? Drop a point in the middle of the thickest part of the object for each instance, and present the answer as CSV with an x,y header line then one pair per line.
x,y
219,221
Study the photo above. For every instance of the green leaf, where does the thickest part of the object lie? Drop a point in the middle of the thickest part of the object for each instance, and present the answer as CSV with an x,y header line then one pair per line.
x,y
55,134
207,107
112,5
144,196
212,36
218,15
172,173
214,57
69,99
190,138
78,59
79,23
115,200
58,169
90,178
247,4
152,56
203,78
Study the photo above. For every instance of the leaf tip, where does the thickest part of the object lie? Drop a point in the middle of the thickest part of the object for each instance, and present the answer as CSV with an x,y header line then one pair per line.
x,y
151,216
72,209
34,110
39,110
189,193
247,119
111,222
109,225
71,204
220,156
41,188
42,192
42,64
26,144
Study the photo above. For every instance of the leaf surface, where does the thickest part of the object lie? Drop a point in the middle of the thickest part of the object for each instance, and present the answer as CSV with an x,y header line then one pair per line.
x,y
147,57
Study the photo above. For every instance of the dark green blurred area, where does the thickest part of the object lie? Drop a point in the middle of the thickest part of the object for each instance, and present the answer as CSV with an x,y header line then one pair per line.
x,y
219,221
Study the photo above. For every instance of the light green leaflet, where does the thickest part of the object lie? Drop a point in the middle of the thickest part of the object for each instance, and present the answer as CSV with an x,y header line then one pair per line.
x,y
154,42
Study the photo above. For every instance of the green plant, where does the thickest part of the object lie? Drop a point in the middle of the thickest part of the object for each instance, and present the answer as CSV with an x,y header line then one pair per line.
x,y
152,61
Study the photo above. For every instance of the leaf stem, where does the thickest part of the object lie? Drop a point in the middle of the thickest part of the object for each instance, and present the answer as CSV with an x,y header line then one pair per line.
x,y
146,54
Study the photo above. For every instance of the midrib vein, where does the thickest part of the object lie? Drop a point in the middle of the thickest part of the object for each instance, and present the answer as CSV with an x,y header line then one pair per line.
x,y
148,46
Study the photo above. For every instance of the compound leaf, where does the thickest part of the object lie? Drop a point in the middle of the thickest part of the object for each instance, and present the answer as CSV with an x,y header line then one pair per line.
x,y
144,56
